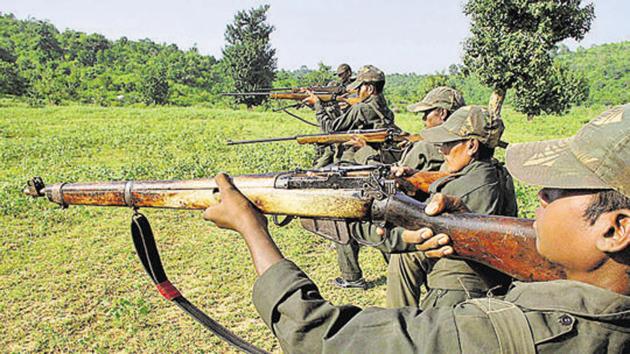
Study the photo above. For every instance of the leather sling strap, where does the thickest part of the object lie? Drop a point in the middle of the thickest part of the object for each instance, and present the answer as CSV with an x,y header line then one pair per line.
x,y
147,251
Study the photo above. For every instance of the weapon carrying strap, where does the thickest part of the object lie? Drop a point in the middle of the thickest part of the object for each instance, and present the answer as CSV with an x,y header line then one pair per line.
x,y
146,248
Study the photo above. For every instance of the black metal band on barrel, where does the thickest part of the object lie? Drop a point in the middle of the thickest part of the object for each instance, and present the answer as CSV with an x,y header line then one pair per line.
x,y
128,197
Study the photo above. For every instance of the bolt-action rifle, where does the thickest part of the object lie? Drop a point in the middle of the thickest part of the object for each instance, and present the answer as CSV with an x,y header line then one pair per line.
x,y
504,243
384,135
317,89
298,96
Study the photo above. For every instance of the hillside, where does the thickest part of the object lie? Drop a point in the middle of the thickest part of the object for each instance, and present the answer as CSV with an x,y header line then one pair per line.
x,y
607,69
42,65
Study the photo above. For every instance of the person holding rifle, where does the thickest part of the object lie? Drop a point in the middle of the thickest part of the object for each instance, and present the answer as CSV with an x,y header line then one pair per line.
x,y
325,154
371,113
585,180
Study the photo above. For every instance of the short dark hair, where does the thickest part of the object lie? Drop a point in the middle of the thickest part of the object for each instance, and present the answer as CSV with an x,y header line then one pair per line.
x,y
605,201
378,86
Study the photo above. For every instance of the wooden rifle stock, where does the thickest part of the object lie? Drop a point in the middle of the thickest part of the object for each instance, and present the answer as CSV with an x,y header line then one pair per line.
x,y
504,243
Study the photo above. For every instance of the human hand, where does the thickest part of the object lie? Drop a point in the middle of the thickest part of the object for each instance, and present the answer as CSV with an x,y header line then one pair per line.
x,y
402,171
433,245
356,142
234,212
312,98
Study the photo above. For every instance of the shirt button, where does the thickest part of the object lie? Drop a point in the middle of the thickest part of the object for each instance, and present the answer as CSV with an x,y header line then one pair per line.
x,y
565,320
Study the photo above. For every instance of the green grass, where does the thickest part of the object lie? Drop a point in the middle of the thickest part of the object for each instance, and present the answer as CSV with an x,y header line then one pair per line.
x,y
70,280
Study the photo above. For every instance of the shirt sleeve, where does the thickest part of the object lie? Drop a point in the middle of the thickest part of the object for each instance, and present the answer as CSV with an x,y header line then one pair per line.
x,y
291,305
354,118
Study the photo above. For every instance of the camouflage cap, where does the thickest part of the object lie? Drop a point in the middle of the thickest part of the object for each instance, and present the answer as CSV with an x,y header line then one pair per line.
x,y
439,97
343,68
466,123
597,157
367,73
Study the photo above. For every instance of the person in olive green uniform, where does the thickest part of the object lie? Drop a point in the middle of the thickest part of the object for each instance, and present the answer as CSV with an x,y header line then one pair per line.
x,y
585,179
467,140
344,73
435,108
325,154
370,113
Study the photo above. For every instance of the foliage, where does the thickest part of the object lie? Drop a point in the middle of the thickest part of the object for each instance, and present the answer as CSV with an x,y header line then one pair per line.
x,y
512,40
553,93
154,87
606,69
248,55
56,67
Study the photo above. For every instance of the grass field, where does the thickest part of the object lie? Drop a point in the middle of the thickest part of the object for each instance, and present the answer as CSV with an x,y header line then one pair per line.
x,y
70,280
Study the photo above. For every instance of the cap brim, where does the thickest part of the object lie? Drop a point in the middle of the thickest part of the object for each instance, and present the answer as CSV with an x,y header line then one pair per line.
x,y
419,107
550,164
354,85
439,135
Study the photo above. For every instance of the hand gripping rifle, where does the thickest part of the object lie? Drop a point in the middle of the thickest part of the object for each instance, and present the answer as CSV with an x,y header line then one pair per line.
x,y
504,243
384,135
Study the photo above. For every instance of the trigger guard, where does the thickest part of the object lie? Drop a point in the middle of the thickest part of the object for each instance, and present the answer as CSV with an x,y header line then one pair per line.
x,y
287,219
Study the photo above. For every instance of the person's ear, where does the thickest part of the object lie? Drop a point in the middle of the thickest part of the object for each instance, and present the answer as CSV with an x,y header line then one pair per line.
x,y
617,236
443,113
472,146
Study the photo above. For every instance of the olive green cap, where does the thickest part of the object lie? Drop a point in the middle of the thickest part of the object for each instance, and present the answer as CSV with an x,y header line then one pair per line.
x,y
439,97
367,73
597,157
343,68
466,123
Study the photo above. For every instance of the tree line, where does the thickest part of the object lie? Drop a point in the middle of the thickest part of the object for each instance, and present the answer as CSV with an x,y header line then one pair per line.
x,y
42,65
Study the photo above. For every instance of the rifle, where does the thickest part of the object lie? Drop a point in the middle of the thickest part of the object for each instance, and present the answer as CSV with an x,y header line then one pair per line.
x,y
318,89
298,96
503,243
369,135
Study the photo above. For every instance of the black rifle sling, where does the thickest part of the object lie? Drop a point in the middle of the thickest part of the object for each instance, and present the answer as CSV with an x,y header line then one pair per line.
x,y
146,248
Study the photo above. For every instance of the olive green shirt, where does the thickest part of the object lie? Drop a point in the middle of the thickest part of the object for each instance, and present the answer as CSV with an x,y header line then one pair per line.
x,y
422,156
372,113
561,316
486,188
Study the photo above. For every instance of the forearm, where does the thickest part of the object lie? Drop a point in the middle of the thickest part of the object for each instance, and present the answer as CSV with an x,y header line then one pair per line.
x,y
262,248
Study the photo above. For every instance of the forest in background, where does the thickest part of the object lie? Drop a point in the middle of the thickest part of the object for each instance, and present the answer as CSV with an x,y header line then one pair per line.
x,y
41,65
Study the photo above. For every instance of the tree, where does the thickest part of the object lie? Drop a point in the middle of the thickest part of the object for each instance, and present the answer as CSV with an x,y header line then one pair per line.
x,y
552,93
154,87
512,40
248,55
430,82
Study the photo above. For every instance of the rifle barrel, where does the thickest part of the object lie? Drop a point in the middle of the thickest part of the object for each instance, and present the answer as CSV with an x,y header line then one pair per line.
x,y
256,141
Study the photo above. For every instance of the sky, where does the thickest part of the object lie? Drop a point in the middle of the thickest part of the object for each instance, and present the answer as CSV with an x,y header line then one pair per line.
x,y
421,36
